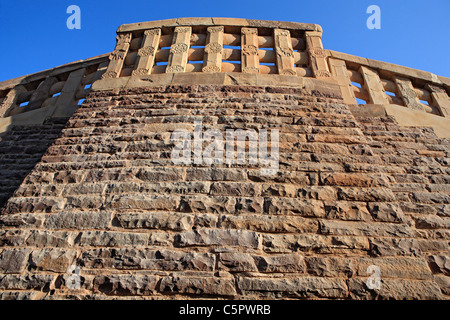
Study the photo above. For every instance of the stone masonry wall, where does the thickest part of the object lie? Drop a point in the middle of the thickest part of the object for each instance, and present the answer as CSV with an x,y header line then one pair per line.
x,y
350,193
21,148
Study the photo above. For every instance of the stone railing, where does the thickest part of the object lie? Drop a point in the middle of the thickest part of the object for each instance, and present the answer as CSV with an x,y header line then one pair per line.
x,y
377,82
55,92
220,45
211,45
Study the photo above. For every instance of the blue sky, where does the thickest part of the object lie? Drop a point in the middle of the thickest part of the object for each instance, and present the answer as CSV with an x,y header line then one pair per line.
x,y
413,33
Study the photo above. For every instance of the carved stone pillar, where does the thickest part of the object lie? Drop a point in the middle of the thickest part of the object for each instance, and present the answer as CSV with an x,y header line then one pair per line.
x,y
249,50
284,52
117,57
179,50
146,54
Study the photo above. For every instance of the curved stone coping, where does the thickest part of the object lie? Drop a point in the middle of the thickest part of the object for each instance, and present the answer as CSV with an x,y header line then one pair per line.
x,y
219,22
328,86
8,84
404,117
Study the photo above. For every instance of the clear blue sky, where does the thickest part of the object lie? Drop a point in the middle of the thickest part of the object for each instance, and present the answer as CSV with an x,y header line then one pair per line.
x,y
413,33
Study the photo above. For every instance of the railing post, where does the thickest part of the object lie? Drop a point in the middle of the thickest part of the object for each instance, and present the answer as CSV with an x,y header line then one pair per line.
x,y
41,93
10,101
317,56
440,99
284,52
338,69
179,50
249,50
373,86
117,57
146,54
408,94
212,60
65,105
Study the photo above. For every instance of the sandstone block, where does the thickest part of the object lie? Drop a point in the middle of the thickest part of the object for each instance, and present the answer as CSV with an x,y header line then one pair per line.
x,y
394,247
314,243
22,220
386,212
432,222
78,220
51,259
285,263
27,282
369,195
440,264
143,202
155,220
251,205
207,204
160,174
215,174
19,295
13,260
346,210
324,266
237,262
353,179
13,237
111,238
397,267
160,239
365,229
219,237
147,259
308,287
198,285
235,189
395,289
126,284
278,190
268,223
318,193
443,282
43,238
295,206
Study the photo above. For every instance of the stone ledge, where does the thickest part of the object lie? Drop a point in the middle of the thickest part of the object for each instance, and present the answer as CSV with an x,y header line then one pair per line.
x,y
219,22
328,86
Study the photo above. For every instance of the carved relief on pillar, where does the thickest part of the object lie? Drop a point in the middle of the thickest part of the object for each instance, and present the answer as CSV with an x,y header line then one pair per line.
x,y
179,48
215,29
249,31
152,32
212,59
211,68
284,52
146,51
288,72
182,29
140,72
124,37
249,50
117,57
175,69
109,74
118,54
250,70
323,74
214,47
318,52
